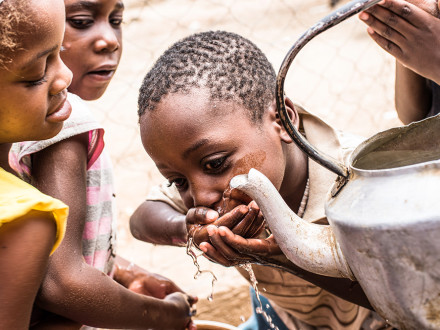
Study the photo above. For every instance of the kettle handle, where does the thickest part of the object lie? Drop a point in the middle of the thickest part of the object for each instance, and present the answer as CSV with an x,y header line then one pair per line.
x,y
324,24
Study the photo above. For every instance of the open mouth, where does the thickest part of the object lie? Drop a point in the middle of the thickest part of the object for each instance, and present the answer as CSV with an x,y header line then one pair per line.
x,y
102,73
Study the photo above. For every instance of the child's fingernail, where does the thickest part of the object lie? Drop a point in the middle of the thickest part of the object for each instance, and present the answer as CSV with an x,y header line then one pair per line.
x,y
211,215
370,30
211,230
203,248
221,231
363,16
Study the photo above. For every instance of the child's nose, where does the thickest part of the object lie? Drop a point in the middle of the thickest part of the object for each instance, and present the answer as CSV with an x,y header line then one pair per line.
x,y
63,78
206,195
107,39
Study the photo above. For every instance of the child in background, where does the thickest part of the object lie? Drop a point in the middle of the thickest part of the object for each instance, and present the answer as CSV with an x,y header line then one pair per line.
x,y
207,113
33,105
410,31
74,167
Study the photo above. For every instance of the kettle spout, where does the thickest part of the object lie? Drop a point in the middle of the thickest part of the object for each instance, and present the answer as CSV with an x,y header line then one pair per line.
x,y
309,246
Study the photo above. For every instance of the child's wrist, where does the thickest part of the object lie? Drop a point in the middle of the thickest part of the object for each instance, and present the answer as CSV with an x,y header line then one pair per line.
x,y
181,236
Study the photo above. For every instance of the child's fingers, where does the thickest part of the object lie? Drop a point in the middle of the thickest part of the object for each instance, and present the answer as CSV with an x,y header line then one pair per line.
x,y
251,224
201,216
229,253
247,223
254,247
238,195
415,15
221,252
386,37
387,24
385,44
213,255
255,231
232,218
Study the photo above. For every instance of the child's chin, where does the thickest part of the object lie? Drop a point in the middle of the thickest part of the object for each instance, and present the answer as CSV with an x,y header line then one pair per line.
x,y
48,134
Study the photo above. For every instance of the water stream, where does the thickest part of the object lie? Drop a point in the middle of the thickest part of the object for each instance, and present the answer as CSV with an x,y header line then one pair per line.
x,y
259,310
190,251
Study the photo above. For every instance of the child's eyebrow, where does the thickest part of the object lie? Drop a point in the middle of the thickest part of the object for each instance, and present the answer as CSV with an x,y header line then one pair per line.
x,y
194,147
38,56
89,5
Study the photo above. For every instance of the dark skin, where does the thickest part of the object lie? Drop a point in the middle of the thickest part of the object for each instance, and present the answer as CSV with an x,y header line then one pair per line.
x,y
201,164
73,289
36,80
409,31
23,264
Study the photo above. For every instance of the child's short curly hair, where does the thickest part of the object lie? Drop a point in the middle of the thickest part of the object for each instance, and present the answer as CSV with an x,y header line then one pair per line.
x,y
12,17
229,65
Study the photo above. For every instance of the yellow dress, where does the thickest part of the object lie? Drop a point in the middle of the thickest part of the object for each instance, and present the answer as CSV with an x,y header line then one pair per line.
x,y
17,198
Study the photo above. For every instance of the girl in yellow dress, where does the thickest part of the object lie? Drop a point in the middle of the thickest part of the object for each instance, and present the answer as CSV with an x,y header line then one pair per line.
x,y
33,91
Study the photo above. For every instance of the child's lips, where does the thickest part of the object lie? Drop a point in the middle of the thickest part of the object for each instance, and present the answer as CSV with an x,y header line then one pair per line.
x,y
101,75
61,113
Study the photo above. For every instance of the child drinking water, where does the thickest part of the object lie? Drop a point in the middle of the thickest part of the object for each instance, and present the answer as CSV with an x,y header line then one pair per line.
x,y
74,167
33,90
208,113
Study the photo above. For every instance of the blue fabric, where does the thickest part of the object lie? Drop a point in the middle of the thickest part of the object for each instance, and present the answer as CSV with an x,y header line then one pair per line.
x,y
435,108
258,321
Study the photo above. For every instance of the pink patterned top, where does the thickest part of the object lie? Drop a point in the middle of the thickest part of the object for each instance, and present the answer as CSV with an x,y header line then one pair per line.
x,y
100,223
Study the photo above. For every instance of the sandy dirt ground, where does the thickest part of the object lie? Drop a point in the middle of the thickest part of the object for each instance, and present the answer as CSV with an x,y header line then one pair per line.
x,y
341,75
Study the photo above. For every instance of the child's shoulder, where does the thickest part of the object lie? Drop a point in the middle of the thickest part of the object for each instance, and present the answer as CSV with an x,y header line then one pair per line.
x,y
18,197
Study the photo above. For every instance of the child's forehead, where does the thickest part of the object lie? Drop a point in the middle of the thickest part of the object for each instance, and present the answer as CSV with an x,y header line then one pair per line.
x,y
93,5
198,101
190,111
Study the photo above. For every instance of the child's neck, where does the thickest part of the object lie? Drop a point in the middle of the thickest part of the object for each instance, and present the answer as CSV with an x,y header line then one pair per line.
x,y
4,155
294,184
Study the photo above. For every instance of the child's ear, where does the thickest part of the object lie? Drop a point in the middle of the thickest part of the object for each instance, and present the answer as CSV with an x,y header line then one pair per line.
x,y
293,115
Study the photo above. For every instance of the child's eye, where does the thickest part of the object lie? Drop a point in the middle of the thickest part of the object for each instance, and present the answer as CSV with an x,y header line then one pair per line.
x,y
180,183
116,21
80,23
215,165
37,82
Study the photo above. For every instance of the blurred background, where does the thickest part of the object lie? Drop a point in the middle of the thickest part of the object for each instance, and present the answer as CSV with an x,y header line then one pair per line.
x,y
341,75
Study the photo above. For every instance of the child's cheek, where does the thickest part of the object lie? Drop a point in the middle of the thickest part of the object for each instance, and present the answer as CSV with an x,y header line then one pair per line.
x,y
252,160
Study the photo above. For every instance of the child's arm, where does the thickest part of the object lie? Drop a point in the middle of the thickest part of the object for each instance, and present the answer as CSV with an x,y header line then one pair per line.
x,y
157,222
74,289
25,247
141,281
228,249
224,250
412,35
413,96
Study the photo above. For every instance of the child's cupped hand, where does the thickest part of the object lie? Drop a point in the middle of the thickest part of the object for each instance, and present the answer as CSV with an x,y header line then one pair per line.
x,y
237,212
143,282
229,249
409,31
243,220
